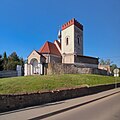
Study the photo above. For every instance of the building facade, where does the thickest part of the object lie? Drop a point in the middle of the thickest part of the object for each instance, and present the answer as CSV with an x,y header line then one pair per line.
x,y
68,49
72,41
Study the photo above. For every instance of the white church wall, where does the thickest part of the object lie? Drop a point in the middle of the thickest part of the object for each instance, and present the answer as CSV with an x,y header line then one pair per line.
x,y
68,32
68,58
40,66
25,69
34,55
75,43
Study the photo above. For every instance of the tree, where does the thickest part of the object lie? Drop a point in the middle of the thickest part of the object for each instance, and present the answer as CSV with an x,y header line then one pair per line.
x,y
105,62
13,57
13,61
102,62
5,61
112,67
108,62
1,63
10,62
22,64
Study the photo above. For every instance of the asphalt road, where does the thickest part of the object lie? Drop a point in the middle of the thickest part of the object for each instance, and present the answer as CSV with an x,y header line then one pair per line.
x,y
104,109
101,106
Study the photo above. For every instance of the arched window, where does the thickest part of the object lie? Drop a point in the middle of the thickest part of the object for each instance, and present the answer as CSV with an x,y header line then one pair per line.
x,y
78,39
67,41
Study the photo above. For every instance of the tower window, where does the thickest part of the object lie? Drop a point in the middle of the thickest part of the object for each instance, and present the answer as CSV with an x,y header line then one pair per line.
x,y
67,41
78,41
78,38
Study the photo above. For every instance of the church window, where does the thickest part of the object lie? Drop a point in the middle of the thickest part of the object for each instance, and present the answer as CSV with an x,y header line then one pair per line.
x,y
67,41
78,41
78,38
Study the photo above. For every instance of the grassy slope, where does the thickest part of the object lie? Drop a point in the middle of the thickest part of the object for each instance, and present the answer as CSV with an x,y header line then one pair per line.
x,y
46,83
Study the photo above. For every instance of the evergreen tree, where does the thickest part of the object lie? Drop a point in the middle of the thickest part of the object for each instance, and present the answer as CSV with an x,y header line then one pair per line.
x,y
22,64
10,62
13,61
13,57
5,61
1,63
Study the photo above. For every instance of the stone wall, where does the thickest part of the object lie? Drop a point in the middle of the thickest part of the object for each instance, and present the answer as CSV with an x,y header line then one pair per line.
x,y
12,102
55,59
86,59
52,58
59,68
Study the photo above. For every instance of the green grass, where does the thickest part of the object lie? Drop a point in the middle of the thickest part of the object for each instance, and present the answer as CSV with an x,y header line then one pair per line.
x,y
51,82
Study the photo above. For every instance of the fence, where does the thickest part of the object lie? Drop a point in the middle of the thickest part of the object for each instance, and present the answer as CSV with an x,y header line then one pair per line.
x,y
11,73
8,74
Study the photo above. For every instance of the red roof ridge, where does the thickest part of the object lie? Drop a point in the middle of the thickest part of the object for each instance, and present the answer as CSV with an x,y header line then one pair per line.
x,y
49,48
43,47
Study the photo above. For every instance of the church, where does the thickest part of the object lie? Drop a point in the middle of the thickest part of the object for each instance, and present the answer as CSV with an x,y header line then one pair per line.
x,y
68,49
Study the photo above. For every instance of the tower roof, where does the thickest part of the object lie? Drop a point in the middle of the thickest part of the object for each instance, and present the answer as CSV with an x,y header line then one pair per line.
x,y
72,22
49,48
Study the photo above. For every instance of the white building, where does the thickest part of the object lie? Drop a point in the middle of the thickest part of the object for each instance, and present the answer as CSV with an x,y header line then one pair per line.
x,y
68,49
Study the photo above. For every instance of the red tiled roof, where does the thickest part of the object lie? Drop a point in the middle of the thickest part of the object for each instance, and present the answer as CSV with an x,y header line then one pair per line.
x,y
49,48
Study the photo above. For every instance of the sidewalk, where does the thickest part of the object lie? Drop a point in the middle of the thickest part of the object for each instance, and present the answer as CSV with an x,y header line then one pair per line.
x,y
49,109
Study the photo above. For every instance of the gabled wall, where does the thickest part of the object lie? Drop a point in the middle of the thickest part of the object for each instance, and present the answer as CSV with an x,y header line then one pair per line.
x,y
35,55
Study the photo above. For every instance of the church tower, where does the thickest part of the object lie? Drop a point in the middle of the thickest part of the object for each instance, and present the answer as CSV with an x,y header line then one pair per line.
x,y
72,41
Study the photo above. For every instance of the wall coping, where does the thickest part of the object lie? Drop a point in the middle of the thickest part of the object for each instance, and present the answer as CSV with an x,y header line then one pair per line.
x,y
55,91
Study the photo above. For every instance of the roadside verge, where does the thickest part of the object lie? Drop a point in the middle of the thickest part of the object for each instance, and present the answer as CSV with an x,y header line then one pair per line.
x,y
18,101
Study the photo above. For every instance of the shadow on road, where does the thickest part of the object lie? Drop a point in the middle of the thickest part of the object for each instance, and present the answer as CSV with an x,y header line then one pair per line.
x,y
34,107
70,108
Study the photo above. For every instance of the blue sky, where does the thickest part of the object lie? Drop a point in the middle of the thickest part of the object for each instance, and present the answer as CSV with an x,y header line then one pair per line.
x,y
26,24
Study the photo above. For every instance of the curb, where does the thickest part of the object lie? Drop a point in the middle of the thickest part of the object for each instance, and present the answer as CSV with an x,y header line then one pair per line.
x,y
70,108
